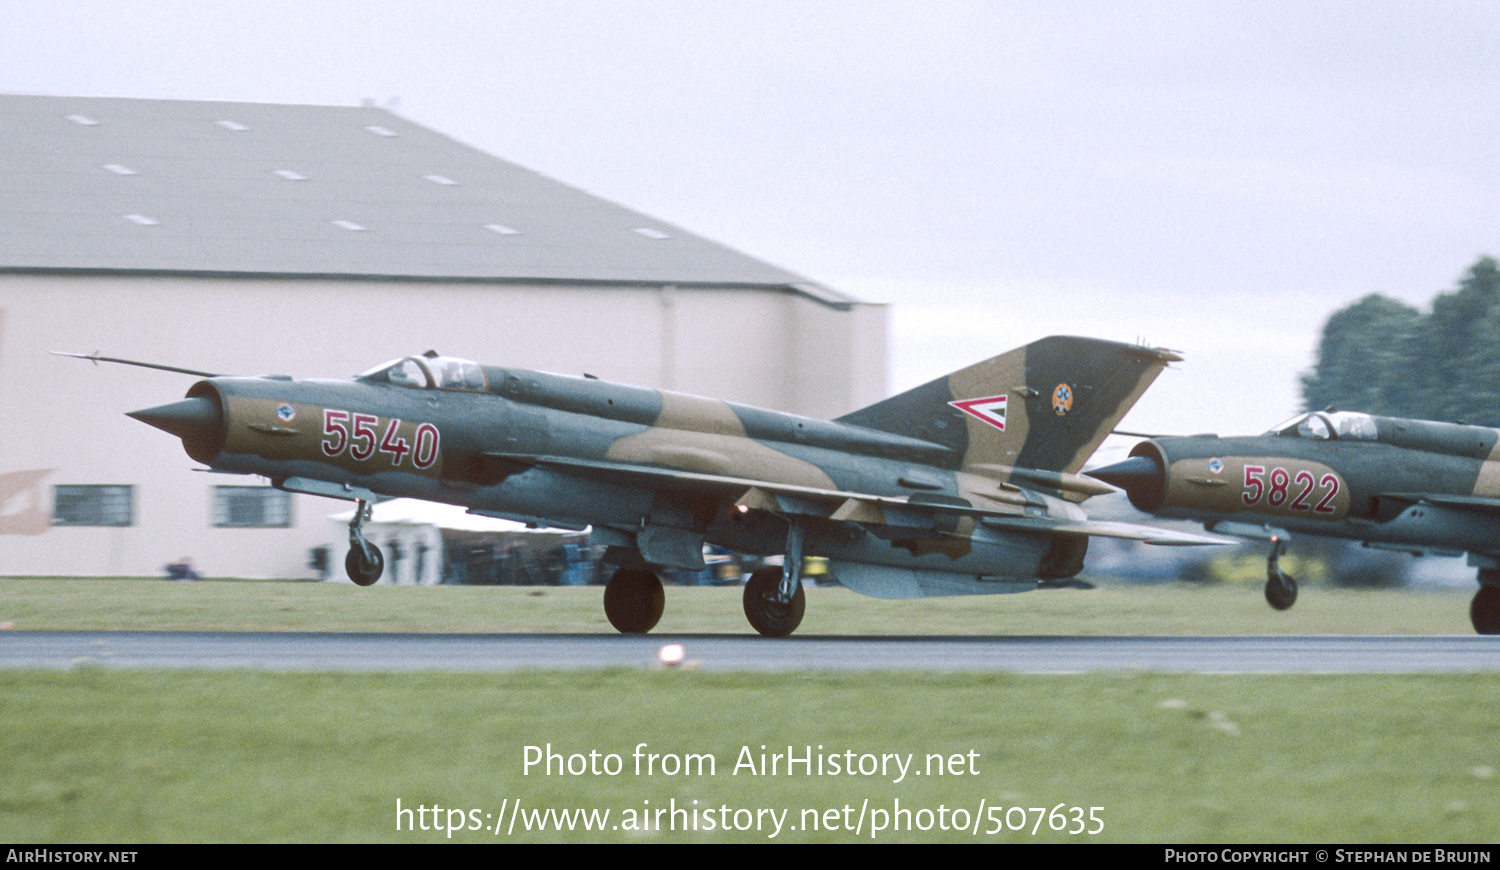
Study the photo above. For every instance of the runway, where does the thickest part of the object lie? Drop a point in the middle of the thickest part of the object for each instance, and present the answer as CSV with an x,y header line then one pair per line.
x,y
504,652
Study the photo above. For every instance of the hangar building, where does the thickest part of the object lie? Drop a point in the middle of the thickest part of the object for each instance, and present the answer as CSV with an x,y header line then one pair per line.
x,y
318,241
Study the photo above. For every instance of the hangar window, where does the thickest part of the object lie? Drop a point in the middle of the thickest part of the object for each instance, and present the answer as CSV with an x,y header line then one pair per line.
x,y
252,507
93,506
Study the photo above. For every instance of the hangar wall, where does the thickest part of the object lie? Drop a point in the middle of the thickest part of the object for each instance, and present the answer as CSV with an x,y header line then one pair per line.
x,y
64,422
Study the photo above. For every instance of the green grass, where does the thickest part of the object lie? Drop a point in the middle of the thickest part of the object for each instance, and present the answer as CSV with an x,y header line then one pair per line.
x,y
96,755
108,755
148,605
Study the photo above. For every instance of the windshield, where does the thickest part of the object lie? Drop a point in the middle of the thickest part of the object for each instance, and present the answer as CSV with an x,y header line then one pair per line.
x,y
425,372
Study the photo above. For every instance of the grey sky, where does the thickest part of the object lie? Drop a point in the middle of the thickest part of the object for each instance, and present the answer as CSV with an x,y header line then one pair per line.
x,y
1213,177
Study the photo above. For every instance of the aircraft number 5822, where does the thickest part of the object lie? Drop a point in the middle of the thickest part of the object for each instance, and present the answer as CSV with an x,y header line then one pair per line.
x,y
357,434
1280,486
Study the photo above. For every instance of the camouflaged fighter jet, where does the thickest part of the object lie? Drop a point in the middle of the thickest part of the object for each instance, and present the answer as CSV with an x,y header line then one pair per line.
x,y
966,485
1409,485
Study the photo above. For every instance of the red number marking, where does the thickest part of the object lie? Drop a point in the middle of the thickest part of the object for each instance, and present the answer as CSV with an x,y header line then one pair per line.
x,y
1280,482
1300,502
1332,482
335,425
364,430
396,447
426,451
1252,479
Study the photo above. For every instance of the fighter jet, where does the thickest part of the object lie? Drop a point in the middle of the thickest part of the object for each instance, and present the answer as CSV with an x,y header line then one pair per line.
x,y
968,484
1412,485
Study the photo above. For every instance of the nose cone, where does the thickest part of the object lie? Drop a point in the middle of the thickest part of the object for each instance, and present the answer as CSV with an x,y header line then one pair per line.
x,y
193,418
197,420
1142,478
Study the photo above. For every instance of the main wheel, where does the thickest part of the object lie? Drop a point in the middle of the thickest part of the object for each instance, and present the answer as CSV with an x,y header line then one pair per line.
x,y
1484,610
1281,590
634,600
768,616
364,565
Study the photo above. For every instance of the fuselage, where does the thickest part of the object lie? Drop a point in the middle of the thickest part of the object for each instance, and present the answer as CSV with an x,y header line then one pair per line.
x,y
1384,480
566,451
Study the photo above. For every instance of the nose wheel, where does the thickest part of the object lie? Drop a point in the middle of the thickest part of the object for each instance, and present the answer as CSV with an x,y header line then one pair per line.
x,y
364,564
1281,587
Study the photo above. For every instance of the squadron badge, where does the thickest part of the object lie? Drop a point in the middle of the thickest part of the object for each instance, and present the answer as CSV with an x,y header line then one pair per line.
x,y
286,413
1062,399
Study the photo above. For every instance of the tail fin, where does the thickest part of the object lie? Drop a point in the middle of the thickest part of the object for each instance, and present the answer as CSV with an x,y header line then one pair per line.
x,y
1046,406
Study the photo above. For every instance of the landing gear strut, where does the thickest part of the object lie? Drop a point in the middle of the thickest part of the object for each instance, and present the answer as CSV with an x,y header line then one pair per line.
x,y
1484,610
774,599
1281,588
364,563
634,600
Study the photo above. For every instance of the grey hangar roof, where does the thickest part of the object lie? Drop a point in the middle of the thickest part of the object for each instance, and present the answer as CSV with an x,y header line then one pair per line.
x,y
93,184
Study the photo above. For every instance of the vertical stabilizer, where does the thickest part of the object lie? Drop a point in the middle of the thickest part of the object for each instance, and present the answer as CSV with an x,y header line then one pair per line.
x,y
1046,406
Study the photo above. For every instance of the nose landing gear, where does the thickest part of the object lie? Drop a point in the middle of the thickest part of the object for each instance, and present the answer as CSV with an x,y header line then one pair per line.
x,y
1281,588
364,564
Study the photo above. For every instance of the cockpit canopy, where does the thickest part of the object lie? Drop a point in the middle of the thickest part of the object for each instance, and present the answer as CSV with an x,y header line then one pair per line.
x,y
1329,425
429,371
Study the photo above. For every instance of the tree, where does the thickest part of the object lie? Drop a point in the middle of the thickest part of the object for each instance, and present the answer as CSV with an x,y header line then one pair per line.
x,y
1360,357
1385,357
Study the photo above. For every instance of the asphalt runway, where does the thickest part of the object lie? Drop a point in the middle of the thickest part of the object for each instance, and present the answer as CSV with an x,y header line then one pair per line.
x,y
503,652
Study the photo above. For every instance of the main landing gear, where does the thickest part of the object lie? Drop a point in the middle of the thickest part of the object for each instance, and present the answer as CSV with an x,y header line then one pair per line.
x,y
774,599
634,600
1281,588
1484,610
364,564
770,611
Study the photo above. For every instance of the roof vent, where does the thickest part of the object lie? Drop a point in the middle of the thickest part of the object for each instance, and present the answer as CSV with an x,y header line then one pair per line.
x,y
439,179
348,225
502,229
82,120
380,131
652,234
141,219
232,125
289,175
118,169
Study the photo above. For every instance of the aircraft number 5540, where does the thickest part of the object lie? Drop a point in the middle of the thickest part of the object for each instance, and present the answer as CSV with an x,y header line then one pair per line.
x,y
1281,486
361,436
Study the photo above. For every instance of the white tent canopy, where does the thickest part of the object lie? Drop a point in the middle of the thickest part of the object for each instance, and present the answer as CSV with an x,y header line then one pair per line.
x,y
415,512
